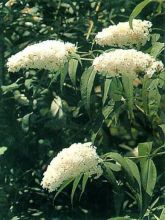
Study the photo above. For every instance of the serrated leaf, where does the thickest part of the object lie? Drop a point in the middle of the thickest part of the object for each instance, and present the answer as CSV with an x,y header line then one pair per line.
x,y
84,182
87,81
63,186
107,84
137,10
63,74
72,69
75,184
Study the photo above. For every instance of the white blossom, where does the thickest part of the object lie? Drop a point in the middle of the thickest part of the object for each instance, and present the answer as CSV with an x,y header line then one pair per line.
x,y
71,162
129,61
49,55
122,35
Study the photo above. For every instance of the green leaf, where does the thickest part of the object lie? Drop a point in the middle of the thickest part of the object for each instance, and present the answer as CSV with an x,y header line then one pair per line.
x,y
121,218
135,171
149,176
136,174
121,160
116,89
106,89
63,74
154,38
151,96
3,150
156,49
144,149
162,133
10,87
87,81
108,174
63,186
113,166
153,99
25,122
77,57
75,184
127,82
162,216
84,182
137,10
72,69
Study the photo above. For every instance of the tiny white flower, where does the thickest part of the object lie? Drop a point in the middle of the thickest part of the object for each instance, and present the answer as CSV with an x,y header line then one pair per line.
x,y
71,162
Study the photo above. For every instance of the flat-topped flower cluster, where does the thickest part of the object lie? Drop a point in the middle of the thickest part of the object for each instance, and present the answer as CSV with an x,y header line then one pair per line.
x,y
71,162
49,55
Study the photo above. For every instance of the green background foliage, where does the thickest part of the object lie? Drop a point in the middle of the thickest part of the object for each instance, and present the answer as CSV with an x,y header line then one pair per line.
x,y
30,137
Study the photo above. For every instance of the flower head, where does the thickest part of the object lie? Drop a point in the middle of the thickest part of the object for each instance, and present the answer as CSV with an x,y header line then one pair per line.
x,y
119,61
122,35
49,55
69,163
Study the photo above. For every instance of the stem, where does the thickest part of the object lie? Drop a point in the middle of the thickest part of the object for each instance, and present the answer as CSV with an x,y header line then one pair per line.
x,y
151,155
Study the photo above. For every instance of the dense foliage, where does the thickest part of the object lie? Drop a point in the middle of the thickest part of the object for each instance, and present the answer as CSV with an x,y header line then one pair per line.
x,y
116,114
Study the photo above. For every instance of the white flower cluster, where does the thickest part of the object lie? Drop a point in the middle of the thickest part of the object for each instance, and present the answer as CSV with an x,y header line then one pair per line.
x,y
69,163
129,61
49,55
122,35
